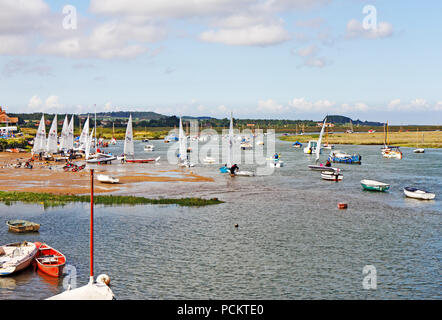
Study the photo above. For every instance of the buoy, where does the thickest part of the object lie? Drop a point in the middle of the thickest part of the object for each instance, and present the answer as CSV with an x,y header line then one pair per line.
x,y
104,278
342,205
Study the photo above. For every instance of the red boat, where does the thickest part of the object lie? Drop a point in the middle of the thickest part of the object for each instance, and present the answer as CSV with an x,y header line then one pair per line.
x,y
142,160
49,260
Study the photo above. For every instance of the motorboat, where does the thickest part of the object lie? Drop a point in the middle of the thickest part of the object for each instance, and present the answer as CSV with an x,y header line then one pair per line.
x,y
343,157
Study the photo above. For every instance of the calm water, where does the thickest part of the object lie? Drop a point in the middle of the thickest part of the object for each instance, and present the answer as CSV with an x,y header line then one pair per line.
x,y
292,241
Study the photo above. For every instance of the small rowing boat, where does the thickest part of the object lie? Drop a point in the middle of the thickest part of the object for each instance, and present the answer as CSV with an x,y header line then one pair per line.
x,y
323,168
421,194
107,179
373,185
21,226
331,176
142,160
49,260
16,256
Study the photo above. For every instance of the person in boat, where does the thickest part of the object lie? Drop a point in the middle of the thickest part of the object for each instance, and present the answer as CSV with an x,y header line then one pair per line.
x,y
328,163
233,169
276,156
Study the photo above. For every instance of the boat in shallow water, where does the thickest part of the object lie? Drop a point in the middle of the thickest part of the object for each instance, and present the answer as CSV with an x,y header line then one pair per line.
x,y
421,194
373,185
21,226
15,257
342,157
322,167
331,176
49,260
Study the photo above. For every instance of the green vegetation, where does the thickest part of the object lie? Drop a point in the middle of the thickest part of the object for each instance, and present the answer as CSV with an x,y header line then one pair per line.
x,y
52,200
425,139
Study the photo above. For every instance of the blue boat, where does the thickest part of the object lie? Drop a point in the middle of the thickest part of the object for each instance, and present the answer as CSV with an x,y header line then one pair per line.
x,y
297,144
224,169
341,157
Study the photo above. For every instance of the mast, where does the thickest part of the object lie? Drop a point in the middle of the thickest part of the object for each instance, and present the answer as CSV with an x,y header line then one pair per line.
x,y
91,240
95,127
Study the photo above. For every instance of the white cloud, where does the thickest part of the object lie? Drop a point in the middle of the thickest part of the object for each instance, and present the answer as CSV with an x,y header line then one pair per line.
x,y
35,103
355,29
258,35
270,106
51,104
307,51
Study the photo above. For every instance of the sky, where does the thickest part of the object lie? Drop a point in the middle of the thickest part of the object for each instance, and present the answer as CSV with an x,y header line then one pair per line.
x,y
275,59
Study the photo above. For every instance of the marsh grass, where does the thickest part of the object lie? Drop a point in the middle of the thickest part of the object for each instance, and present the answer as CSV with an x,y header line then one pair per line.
x,y
54,200
431,139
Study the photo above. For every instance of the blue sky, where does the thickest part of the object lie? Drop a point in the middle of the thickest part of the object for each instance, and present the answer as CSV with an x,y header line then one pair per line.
x,y
295,59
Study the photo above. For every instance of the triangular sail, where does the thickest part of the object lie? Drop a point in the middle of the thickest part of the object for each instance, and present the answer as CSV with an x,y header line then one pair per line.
x,y
70,136
230,151
64,134
318,145
182,141
52,137
40,137
88,144
84,135
129,141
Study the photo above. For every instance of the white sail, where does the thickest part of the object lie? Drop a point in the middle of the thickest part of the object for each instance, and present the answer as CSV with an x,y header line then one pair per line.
x,y
40,137
318,145
230,153
129,140
89,144
84,135
64,134
52,137
182,141
70,135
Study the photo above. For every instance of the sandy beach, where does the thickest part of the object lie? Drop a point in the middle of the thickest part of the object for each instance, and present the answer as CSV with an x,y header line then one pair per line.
x,y
49,177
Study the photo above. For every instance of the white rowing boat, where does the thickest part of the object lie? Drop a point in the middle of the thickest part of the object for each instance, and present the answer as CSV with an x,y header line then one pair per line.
x,y
16,256
331,176
421,194
107,179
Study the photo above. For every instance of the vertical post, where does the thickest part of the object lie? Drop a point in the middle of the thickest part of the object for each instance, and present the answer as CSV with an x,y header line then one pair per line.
x,y
91,240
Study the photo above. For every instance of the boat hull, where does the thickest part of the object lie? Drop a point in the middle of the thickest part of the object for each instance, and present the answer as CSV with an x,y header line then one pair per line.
x,y
20,263
21,226
375,186
419,194
50,261
331,176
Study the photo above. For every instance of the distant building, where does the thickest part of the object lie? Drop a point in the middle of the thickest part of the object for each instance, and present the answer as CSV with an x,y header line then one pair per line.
x,y
4,118
330,125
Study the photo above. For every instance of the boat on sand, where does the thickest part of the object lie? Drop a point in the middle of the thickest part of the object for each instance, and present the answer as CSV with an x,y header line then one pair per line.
x,y
103,178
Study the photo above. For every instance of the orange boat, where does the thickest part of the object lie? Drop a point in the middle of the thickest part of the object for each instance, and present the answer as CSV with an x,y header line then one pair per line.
x,y
49,260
